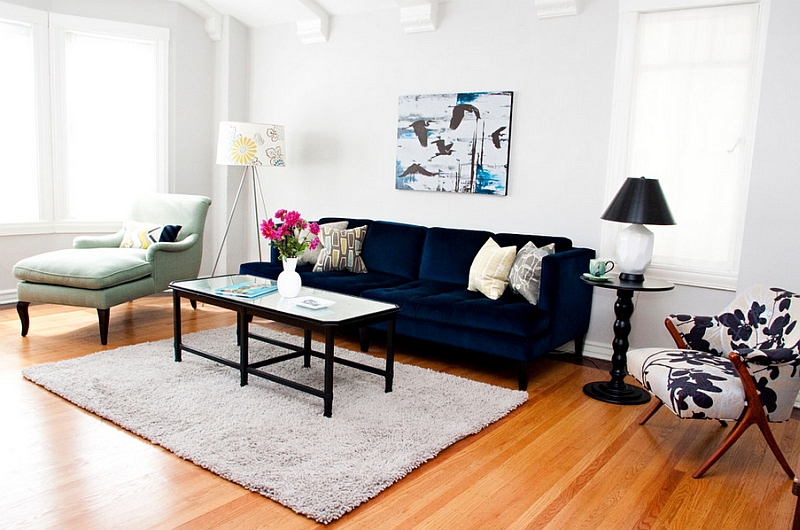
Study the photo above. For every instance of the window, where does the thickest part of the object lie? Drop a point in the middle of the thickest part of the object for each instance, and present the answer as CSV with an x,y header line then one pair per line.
x,y
685,101
85,118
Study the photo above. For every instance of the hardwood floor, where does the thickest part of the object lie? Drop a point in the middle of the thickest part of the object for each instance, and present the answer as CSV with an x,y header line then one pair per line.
x,y
561,461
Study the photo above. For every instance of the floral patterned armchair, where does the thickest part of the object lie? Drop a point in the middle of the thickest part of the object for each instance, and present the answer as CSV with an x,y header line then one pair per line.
x,y
756,383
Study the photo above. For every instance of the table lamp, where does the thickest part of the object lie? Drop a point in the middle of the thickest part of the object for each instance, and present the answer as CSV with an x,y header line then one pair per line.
x,y
639,201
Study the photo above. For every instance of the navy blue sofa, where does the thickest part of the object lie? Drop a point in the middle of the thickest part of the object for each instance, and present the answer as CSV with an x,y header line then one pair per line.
x,y
425,272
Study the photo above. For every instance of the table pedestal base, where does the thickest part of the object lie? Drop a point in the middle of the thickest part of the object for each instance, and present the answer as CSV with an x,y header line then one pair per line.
x,y
626,395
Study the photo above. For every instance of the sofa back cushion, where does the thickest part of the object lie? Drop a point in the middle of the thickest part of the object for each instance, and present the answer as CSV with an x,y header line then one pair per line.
x,y
519,241
448,254
394,248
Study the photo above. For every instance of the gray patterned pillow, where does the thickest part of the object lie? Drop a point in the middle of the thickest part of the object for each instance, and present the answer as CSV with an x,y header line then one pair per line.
x,y
309,256
342,250
527,270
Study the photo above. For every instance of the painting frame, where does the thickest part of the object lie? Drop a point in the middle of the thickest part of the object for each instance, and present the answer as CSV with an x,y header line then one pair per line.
x,y
457,143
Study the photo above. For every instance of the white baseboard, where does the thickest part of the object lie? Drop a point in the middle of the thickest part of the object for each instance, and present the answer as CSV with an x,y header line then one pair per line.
x,y
9,296
597,350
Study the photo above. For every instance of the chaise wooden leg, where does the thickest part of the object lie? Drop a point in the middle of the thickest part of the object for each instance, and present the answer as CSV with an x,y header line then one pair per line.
x,y
22,311
103,318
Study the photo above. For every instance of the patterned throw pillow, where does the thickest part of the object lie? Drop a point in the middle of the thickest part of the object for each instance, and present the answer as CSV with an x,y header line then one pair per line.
x,y
342,250
142,235
489,271
309,257
526,272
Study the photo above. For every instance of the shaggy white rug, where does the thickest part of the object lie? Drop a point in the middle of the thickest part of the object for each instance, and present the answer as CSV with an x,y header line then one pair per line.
x,y
274,440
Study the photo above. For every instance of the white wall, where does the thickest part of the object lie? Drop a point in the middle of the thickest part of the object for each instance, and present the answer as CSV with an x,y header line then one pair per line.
x,y
192,134
338,101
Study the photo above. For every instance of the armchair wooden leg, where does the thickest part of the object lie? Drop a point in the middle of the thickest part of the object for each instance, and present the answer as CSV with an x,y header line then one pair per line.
x,y
752,415
103,318
657,404
22,311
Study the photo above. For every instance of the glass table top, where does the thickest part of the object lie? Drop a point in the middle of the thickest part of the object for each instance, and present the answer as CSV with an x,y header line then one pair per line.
x,y
325,306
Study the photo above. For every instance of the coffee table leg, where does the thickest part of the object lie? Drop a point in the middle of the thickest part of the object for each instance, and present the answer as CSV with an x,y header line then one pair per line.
x,y
389,355
307,348
328,392
176,324
244,343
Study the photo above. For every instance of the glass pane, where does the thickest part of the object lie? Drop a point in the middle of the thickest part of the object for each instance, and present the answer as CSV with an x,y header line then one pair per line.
x,y
111,117
691,99
19,177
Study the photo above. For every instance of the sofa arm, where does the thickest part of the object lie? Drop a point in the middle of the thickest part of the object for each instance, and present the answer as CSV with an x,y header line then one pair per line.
x,y
566,299
103,241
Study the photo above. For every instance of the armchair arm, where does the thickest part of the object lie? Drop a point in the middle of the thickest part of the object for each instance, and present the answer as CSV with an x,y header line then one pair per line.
x,y
692,332
175,261
177,246
770,378
106,240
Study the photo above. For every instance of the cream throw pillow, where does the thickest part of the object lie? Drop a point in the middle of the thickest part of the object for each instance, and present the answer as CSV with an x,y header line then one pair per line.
x,y
489,271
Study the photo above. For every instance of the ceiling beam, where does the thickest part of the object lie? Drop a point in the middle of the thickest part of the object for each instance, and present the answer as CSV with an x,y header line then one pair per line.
x,y
556,8
314,22
213,18
417,16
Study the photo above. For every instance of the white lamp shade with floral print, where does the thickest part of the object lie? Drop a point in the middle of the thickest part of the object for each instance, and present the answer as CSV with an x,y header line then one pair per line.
x,y
251,144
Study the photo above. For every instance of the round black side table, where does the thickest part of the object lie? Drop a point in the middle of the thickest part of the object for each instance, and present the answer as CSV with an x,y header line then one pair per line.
x,y
617,391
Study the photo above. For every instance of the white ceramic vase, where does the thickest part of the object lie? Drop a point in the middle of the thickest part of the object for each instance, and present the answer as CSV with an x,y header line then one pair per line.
x,y
289,282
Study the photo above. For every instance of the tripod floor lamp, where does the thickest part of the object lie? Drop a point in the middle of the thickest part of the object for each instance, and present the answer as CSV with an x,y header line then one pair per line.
x,y
250,145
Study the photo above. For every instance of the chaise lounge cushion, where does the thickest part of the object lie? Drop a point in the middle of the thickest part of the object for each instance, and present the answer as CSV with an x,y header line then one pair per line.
x,y
92,268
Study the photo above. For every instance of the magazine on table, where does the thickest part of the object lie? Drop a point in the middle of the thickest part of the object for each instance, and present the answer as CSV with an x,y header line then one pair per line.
x,y
248,289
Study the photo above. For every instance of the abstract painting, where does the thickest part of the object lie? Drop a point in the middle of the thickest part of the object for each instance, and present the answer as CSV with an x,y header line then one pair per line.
x,y
455,143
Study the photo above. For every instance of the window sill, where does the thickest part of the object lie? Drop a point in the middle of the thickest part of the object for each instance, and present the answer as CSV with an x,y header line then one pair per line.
x,y
62,227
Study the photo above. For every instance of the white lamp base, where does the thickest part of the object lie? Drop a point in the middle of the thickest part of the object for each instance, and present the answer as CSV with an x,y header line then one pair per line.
x,y
634,252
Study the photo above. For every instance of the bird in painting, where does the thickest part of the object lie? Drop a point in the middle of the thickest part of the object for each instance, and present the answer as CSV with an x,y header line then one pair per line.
x,y
421,130
496,136
444,149
416,168
458,114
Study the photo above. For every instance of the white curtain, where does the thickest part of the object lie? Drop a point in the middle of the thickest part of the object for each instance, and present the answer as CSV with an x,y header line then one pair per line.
x,y
691,106
19,173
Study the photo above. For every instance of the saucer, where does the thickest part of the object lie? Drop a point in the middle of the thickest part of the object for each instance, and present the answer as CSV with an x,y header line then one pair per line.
x,y
604,278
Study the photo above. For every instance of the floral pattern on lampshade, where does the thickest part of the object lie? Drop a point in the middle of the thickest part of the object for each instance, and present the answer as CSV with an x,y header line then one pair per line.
x,y
251,144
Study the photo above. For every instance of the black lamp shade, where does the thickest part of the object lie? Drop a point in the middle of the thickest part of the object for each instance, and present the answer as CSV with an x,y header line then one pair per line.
x,y
639,201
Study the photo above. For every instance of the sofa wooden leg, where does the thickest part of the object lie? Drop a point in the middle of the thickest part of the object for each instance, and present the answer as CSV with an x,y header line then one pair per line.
x,y
363,338
579,343
103,318
193,303
522,375
22,311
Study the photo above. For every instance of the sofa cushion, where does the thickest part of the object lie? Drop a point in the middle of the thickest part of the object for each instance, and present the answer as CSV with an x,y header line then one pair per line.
x,y
342,250
311,255
348,283
448,253
489,271
526,272
85,268
454,306
394,248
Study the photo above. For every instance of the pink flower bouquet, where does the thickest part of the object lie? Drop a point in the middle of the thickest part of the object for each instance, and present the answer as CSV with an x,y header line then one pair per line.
x,y
291,234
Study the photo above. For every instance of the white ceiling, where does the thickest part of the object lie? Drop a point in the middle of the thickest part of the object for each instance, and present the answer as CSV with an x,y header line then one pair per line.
x,y
259,13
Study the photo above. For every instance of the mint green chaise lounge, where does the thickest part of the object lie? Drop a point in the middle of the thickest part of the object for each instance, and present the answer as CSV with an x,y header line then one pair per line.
x,y
163,236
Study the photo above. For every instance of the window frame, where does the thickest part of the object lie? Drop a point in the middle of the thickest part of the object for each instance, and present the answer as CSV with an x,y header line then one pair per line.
x,y
629,12
49,34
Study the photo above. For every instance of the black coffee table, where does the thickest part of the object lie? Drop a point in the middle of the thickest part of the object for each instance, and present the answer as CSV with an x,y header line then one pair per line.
x,y
346,312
